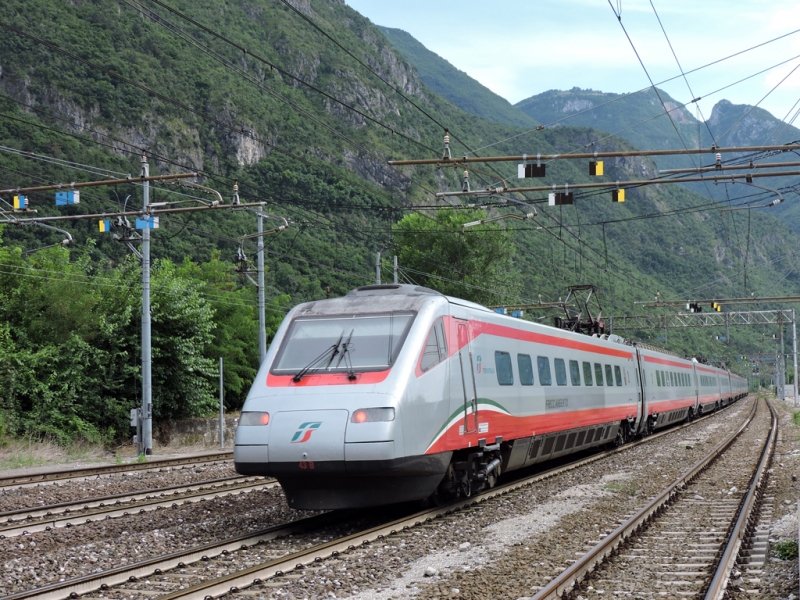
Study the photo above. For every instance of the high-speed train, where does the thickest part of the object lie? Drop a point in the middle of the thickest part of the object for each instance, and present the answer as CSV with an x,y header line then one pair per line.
x,y
395,393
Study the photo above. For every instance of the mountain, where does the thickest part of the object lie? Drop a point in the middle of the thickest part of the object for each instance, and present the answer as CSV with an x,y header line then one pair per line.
x,y
638,118
455,85
305,121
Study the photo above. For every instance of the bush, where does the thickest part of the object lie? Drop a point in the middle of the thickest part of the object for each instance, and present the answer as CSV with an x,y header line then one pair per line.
x,y
786,550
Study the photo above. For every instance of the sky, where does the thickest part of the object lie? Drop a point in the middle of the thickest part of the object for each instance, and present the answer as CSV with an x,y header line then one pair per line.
x,y
519,48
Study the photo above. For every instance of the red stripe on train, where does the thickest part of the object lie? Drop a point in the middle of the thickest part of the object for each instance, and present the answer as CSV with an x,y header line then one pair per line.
x,y
511,427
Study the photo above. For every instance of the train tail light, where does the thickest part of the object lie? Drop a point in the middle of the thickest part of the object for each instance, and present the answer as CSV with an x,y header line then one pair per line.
x,y
371,415
254,418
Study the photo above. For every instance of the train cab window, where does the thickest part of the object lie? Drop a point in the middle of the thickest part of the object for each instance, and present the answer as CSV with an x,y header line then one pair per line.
x,y
609,376
618,375
587,373
525,369
435,347
561,371
502,364
574,372
598,373
543,363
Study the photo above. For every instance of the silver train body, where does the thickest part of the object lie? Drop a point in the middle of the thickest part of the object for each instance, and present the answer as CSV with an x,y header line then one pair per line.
x,y
395,393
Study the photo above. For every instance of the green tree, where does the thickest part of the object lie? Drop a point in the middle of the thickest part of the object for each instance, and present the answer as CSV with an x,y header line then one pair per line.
x,y
475,264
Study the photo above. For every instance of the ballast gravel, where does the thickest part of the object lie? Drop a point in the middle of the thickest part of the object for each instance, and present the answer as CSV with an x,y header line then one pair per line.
x,y
126,482
510,546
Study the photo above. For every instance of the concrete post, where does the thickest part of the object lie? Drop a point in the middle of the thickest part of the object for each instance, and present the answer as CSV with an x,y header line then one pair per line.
x,y
147,378
262,319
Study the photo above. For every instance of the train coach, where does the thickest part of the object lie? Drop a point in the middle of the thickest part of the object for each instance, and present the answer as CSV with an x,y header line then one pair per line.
x,y
395,393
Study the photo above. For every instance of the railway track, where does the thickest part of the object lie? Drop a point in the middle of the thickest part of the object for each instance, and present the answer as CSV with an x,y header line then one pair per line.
x,y
170,576
685,541
16,481
67,514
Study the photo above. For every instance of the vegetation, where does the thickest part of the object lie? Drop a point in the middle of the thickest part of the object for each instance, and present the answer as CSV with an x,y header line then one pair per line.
x,y
472,264
786,550
69,318
70,339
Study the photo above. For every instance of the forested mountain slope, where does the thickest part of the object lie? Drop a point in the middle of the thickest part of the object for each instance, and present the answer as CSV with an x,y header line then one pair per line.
x,y
305,121
455,85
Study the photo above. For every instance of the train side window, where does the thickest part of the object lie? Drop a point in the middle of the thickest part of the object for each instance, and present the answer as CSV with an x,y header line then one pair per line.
x,y
502,364
430,357
609,376
598,373
587,373
525,369
543,363
658,378
618,375
561,371
441,340
574,372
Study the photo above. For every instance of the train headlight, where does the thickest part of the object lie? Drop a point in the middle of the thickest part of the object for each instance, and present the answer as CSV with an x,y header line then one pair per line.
x,y
254,418
371,415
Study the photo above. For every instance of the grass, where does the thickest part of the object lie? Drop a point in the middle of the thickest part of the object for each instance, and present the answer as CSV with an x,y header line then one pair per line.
x,y
630,488
27,453
785,550
796,417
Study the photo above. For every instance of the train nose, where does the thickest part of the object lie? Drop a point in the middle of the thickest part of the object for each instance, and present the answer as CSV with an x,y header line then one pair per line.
x,y
308,436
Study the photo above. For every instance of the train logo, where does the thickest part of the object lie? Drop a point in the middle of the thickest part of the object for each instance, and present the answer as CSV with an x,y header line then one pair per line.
x,y
303,433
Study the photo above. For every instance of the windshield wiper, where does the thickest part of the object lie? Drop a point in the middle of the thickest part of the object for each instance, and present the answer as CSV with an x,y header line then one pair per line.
x,y
351,374
332,351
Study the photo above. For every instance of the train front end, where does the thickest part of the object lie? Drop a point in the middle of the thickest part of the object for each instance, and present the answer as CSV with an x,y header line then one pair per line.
x,y
325,414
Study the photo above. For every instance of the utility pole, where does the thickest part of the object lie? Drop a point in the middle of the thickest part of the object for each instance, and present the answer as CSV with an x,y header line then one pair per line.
x,y
146,446
377,268
783,359
395,269
262,321
794,357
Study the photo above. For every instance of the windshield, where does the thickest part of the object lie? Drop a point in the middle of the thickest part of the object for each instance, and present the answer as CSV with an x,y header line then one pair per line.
x,y
374,342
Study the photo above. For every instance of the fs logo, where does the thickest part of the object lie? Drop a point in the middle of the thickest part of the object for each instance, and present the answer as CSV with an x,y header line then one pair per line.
x,y
303,433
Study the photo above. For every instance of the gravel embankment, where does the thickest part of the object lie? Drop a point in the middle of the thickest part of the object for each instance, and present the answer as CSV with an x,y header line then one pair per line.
x,y
106,485
780,577
52,556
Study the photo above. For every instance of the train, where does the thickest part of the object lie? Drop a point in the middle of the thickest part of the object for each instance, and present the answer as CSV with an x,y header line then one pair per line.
x,y
396,393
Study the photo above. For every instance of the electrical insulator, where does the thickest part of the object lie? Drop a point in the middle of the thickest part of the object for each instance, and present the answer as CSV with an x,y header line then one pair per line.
x,y
235,201
465,182
446,153
719,161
